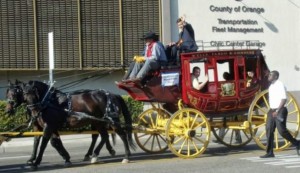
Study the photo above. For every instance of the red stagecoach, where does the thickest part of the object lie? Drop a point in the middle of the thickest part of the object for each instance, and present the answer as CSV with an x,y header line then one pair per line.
x,y
181,118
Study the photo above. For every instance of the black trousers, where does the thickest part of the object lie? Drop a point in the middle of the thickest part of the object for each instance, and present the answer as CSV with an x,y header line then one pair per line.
x,y
278,122
172,53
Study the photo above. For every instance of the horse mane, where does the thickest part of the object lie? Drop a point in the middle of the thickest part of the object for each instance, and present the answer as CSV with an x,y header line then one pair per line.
x,y
40,86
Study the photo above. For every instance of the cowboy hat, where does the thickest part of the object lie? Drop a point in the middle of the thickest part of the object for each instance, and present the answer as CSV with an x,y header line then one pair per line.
x,y
150,35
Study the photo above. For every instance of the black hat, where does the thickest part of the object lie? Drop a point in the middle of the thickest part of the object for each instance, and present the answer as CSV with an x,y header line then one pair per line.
x,y
150,35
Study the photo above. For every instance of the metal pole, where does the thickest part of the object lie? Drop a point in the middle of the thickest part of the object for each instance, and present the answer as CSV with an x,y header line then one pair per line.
x,y
51,57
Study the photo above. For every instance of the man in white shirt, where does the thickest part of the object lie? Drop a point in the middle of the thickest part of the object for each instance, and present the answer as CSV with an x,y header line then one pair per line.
x,y
195,79
277,115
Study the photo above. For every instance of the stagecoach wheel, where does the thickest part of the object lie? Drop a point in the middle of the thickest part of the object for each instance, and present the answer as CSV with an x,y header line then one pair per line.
x,y
153,141
188,133
257,117
232,138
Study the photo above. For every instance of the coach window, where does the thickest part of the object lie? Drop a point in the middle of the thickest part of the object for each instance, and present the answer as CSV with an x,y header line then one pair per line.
x,y
203,73
225,70
251,63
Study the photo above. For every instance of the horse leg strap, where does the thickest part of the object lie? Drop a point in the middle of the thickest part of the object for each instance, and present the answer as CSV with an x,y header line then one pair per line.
x,y
82,115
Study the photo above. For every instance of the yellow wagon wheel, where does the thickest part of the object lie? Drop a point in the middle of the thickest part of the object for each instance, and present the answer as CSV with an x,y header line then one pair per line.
x,y
257,117
188,133
150,137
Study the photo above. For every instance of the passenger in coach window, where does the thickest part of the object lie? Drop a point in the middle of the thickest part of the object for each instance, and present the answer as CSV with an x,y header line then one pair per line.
x,y
251,79
198,85
227,76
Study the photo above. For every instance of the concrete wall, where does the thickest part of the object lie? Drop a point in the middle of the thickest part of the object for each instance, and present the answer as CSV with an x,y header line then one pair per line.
x,y
94,80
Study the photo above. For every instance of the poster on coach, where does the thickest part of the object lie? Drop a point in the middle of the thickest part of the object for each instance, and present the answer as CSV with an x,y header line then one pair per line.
x,y
269,25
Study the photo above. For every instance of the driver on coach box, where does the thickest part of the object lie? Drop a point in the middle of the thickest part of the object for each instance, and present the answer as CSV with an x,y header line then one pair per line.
x,y
154,57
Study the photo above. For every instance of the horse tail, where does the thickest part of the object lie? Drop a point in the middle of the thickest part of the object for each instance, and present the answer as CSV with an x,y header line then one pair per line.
x,y
128,122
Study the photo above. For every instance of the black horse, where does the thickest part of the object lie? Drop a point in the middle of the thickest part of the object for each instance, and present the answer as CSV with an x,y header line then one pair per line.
x,y
14,96
46,109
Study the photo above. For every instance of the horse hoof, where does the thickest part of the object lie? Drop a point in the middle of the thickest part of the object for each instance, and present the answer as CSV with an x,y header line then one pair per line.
x,y
33,167
68,164
94,160
30,162
86,158
112,153
125,161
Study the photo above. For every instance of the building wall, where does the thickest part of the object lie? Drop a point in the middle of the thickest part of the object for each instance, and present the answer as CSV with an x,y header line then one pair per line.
x,y
277,23
90,37
280,23
67,81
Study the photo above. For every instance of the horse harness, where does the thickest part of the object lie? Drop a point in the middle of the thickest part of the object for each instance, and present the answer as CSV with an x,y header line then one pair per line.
x,y
111,110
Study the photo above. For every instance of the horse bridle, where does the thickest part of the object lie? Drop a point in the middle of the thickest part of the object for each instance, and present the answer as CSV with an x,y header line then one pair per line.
x,y
31,90
17,90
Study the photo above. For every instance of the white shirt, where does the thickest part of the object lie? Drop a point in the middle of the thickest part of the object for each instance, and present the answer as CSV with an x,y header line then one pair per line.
x,y
277,92
195,82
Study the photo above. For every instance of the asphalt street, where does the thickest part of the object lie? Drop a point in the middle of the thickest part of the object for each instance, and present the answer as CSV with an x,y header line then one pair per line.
x,y
217,158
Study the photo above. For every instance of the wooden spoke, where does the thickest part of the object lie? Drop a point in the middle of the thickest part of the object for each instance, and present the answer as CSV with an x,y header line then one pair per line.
x,y
199,125
276,139
188,120
159,135
182,145
262,134
152,123
147,140
231,137
258,117
188,147
261,125
261,109
293,122
196,116
152,144
145,121
156,136
145,134
289,102
292,112
200,140
179,139
195,145
248,137
266,102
